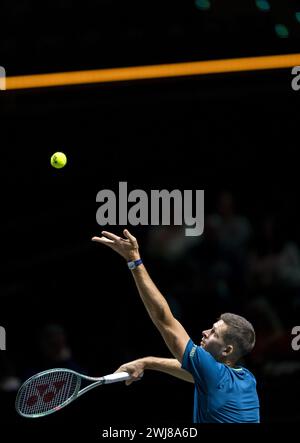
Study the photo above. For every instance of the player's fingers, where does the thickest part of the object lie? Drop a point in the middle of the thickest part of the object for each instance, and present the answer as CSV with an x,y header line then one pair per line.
x,y
111,236
129,236
129,382
124,368
103,240
137,375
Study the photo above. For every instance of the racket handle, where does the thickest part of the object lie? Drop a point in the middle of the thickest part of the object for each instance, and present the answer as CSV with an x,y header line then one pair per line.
x,y
117,376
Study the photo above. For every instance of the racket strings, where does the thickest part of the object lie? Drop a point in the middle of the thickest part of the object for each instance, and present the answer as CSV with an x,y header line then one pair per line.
x,y
47,392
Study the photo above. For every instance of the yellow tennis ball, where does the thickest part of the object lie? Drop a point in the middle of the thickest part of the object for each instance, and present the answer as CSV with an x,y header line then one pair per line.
x,y
58,160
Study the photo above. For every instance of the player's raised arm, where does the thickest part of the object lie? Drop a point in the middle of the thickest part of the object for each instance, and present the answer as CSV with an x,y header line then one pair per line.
x,y
158,309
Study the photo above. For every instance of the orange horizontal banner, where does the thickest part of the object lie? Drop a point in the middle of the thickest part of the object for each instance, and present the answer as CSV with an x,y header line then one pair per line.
x,y
153,71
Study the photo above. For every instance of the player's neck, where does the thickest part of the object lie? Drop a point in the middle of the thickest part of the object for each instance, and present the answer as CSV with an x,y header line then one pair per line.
x,y
231,364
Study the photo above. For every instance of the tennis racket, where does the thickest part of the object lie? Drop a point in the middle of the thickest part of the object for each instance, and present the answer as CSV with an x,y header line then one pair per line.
x,y
51,390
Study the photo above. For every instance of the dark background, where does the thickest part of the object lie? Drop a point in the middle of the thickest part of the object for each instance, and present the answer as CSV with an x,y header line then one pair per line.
x,y
235,133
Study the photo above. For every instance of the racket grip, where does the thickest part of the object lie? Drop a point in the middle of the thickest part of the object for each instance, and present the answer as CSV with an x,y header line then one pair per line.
x,y
117,376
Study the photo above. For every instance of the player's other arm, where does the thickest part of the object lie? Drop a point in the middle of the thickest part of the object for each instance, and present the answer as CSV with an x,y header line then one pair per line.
x,y
173,333
169,366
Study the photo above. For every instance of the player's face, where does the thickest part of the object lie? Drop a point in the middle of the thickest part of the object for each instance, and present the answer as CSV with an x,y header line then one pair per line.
x,y
212,340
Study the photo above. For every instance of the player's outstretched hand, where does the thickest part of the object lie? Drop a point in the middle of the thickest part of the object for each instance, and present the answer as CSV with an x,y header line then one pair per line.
x,y
135,369
127,247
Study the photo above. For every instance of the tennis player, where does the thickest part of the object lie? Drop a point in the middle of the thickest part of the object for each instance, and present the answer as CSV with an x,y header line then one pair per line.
x,y
224,392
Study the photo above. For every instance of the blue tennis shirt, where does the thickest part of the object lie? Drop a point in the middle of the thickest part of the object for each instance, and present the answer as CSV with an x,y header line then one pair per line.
x,y
222,394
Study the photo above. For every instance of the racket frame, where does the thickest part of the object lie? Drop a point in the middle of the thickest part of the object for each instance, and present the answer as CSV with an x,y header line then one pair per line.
x,y
107,379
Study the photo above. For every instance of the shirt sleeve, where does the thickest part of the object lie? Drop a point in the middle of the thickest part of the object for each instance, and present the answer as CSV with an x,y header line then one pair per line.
x,y
206,371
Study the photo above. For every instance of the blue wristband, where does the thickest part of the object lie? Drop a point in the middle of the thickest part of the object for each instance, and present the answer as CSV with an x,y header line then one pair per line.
x,y
134,264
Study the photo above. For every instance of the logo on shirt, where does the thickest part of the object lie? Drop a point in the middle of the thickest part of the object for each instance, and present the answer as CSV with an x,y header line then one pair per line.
x,y
192,353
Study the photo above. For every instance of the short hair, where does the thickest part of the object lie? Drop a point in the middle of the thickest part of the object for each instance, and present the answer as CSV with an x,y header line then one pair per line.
x,y
239,332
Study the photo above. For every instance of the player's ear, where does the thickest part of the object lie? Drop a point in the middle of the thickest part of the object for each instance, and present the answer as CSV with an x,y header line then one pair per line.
x,y
228,350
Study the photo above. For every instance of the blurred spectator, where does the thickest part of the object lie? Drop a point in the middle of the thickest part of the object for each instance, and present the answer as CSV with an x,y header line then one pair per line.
x,y
230,234
271,336
232,230
53,345
9,382
265,255
175,254
170,243
53,351
274,361
274,267
289,266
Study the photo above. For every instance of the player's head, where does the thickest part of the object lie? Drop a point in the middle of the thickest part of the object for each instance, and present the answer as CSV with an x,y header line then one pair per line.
x,y
230,338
